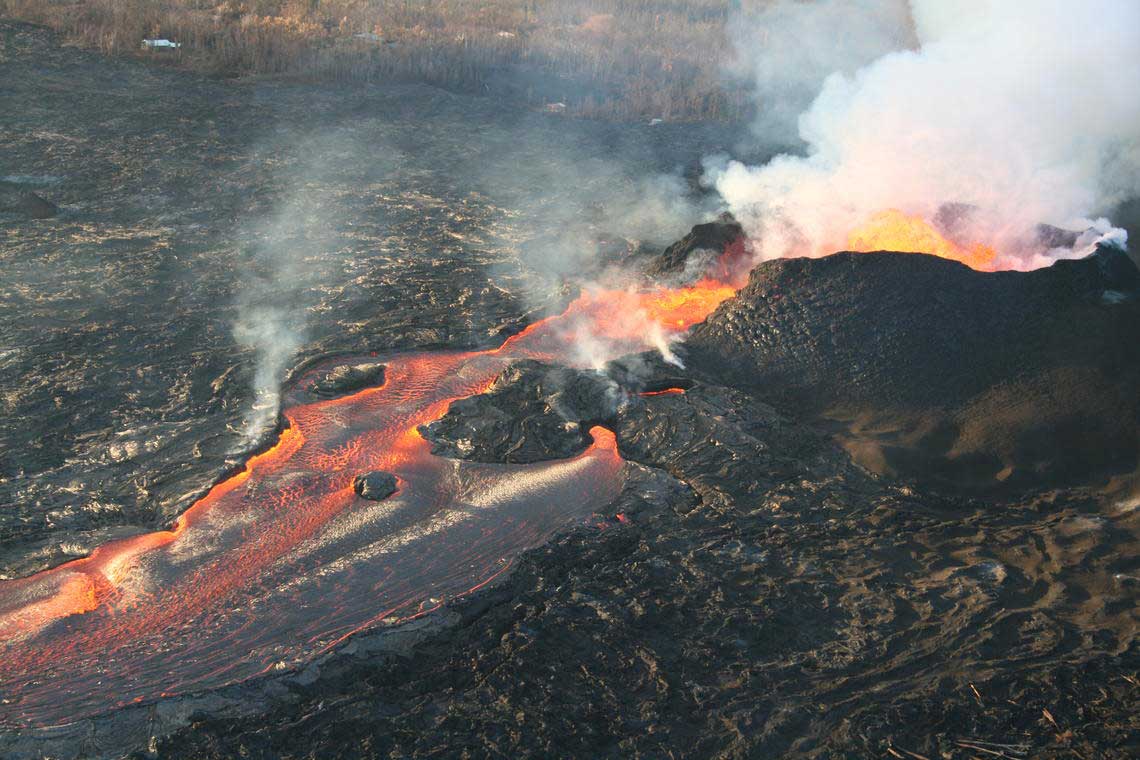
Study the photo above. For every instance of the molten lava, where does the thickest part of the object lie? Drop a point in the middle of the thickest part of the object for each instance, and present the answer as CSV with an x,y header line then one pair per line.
x,y
892,230
664,392
617,313
283,560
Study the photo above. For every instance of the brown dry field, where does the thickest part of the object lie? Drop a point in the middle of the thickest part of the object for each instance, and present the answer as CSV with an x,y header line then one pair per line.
x,y
600,58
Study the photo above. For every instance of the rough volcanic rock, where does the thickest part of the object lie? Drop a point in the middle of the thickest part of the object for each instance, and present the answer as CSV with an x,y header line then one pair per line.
x,y
692,254
933,368
533,412
789,605
22,202
348,378
618,251
1056,237
375,486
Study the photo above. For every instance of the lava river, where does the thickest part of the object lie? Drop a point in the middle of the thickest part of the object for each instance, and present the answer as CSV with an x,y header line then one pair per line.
x,y
283,560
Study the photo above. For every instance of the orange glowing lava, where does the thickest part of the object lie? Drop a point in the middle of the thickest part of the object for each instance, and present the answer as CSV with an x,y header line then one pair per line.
x,y
282,560
665,392
615,313
893,230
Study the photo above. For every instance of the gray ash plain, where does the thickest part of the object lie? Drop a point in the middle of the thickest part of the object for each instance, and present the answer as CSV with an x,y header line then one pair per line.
x,y
756,590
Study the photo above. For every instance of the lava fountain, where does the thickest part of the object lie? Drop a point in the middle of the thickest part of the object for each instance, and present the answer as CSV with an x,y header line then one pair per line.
x,y
892,230
282,560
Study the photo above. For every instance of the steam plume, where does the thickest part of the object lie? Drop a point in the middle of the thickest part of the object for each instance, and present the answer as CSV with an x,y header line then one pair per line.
x,y
786,49
1022,111
285,262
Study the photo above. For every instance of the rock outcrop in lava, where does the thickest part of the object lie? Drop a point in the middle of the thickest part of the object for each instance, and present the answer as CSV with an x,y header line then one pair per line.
x,y
933,369
347,378
533,412
374,486
22,202
711,239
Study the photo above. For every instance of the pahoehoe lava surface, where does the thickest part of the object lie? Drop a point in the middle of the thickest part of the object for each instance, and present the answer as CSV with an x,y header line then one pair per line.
x,y
778,599
750,588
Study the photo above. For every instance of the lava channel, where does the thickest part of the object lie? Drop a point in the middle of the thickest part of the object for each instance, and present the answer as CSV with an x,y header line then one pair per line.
x,y
283,560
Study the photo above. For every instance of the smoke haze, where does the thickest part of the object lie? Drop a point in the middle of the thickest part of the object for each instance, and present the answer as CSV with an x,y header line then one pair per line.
x,y
785,50
1023,112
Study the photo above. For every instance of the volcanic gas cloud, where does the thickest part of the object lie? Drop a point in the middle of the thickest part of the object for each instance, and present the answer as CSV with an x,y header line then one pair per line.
x,y
1007,113
1014,113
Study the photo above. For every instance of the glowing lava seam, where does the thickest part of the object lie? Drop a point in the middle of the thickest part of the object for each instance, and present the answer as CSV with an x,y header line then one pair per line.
x,y
282,560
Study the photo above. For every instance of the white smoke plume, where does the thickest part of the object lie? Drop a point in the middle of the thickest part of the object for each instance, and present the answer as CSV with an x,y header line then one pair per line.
x,y
285,260
1024,111
785,50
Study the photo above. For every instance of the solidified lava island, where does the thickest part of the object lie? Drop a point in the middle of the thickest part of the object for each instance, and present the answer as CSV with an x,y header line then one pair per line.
x,y
527,379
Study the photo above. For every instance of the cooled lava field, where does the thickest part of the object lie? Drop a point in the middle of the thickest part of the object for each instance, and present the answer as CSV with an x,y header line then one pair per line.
x,y
866,505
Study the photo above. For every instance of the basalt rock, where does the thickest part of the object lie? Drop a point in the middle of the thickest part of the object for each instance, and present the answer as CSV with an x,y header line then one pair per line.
x,y
375,486
346,379
692,254
22,202
533,412
784,604
929,368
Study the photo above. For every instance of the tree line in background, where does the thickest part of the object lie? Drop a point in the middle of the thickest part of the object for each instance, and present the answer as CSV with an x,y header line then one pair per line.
x,y
612,59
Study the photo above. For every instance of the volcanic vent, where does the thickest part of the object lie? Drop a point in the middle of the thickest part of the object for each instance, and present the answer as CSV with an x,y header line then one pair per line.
x,y
933,369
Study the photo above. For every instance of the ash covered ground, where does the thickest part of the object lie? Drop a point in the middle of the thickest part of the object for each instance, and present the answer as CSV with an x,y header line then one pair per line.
x,y
786,575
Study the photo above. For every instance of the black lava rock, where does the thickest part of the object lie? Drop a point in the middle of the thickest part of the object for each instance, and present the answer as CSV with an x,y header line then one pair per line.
x,y
533,412
17,200
934,369
348,378
375,486
708,240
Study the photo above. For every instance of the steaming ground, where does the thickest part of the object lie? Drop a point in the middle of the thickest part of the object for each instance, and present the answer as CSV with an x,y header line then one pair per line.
x,y
214,234
761,595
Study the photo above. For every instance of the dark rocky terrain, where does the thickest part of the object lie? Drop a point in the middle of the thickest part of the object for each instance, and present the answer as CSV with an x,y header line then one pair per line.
x,y
778,599
693,254
934,370
533,412
762,587
347,378
341,221
19,203
375,485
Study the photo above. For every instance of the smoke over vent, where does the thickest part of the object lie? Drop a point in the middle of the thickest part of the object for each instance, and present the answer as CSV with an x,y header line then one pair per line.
x,y
1023,112
271,313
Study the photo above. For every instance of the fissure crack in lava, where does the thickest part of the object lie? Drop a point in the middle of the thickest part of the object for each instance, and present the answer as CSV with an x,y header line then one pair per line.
x,y
282,560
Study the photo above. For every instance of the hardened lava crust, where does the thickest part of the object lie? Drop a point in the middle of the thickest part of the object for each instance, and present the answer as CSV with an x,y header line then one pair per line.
x,y
772,597
846,529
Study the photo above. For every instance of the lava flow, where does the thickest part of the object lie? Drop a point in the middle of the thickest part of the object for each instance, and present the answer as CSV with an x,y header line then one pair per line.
x,y
283,560
892,230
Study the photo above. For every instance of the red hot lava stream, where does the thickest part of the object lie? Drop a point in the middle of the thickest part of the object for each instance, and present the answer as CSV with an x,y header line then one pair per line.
x,y
283,560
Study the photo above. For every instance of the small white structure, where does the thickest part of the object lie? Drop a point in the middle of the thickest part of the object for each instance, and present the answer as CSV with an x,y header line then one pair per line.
x,y
161,44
